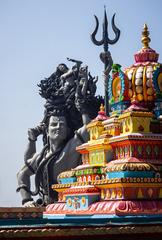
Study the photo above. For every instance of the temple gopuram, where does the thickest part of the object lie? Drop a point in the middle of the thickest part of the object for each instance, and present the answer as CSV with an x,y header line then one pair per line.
x,y
116,192
121,166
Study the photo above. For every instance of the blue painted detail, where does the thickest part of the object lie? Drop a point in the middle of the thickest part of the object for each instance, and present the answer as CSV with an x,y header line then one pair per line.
x,y
155,81
80,220
80,202
136,174
158,107
68,180
110,88
158,101
119,107
99,219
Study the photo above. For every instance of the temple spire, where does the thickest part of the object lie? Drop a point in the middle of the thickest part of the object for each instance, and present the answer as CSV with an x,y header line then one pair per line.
x,y
145,37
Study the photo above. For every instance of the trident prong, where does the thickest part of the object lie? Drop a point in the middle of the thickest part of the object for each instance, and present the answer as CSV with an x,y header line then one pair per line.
x,y
105,39
106,56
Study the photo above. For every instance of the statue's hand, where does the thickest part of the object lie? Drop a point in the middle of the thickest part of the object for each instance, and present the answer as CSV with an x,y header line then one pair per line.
x,y
30,204
85,90
79,103
81,89
33,133
107,60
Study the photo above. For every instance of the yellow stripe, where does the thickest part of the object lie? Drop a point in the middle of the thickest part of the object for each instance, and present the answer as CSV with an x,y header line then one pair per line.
x,y
59,189
133,83
144,84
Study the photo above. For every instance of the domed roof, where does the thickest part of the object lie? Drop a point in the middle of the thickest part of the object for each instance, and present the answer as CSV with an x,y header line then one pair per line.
x,y
141,75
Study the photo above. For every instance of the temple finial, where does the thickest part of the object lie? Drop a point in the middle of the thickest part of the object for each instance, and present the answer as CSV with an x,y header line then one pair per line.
x,y
145,37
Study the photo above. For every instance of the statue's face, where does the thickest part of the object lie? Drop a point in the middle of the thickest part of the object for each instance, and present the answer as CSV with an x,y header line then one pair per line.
x,y
82,71
62,68
57,129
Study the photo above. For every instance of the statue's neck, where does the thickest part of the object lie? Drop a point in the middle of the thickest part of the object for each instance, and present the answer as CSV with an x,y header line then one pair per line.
x,y
54,146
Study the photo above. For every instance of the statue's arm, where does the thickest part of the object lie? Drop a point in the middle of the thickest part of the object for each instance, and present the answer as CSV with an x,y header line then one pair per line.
x,y
82,133
82,95
33,133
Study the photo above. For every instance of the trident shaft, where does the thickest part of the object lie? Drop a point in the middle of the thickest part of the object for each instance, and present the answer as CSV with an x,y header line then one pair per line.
x,y
106,56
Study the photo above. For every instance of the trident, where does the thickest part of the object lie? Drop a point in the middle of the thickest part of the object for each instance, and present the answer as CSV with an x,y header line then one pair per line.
x,y
106,56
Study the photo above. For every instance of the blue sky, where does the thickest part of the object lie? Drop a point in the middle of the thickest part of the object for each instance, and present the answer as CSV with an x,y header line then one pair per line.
x,y
37,35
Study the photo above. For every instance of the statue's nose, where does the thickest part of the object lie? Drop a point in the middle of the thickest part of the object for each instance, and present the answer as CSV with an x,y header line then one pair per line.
x,y
58,125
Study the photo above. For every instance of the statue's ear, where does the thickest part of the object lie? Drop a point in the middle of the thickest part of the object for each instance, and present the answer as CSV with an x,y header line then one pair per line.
x,y
48,142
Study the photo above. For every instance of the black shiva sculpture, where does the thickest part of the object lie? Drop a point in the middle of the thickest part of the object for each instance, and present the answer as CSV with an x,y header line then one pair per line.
x,y
70,104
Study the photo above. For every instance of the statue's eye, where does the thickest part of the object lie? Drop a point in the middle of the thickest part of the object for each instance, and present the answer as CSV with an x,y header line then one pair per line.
x,y
54,124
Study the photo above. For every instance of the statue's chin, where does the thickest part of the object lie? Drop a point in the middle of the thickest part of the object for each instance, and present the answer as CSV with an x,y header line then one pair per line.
x,y
59,137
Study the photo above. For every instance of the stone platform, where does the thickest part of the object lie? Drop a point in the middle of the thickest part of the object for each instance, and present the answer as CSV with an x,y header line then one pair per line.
x,y
28,223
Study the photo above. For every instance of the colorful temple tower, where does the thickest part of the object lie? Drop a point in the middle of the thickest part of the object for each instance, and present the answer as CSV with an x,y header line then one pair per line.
x,y
121,171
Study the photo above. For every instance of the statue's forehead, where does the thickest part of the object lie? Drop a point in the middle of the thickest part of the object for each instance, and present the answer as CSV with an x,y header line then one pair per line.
x,y
57,118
